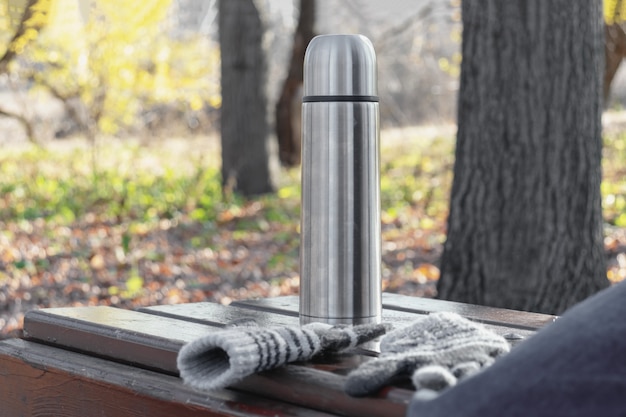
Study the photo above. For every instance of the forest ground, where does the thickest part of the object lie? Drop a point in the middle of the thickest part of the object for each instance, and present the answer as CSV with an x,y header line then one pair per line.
x,y
131,224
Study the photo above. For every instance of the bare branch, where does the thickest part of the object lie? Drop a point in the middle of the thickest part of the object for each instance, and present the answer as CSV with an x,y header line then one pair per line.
x,y
10,53
26,124
394,31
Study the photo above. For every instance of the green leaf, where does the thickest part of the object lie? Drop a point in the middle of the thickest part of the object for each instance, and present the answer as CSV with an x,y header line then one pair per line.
x,y
126,238
134,284
621,220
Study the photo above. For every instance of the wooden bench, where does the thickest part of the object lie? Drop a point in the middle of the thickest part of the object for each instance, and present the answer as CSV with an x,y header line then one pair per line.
x,y
104,361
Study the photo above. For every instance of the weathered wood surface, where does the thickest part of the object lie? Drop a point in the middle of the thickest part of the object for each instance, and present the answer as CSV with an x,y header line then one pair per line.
x,y
122,335
393,304
39,380
254,309
152,342
140,348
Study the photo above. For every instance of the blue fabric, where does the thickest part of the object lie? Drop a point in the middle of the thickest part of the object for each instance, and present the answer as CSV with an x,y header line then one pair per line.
x,y
573,367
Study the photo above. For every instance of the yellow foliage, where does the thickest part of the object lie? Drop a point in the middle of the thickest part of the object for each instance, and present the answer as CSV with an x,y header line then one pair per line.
x,y
614,11
11,15
15,9
444,64
117,58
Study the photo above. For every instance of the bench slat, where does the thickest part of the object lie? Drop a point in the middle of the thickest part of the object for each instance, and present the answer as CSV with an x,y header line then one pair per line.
x,y
394,304
138,338
122,335
42,380
490,315
400,316
219,315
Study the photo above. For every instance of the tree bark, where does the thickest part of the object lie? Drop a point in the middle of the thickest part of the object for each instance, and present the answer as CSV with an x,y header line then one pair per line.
x,y
288,108
244,127
525,224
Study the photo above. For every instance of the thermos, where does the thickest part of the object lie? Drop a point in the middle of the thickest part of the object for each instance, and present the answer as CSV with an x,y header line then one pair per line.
x,y
340,241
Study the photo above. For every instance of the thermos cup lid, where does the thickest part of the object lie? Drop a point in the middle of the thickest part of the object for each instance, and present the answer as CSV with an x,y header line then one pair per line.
x,y
340,67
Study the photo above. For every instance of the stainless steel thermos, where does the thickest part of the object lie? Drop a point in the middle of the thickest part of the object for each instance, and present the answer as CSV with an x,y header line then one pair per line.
x,y
340,246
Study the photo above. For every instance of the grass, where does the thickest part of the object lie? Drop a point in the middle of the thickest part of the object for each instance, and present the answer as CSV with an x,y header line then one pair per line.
x,y
614,179
144,185
131,183
150,225
138,184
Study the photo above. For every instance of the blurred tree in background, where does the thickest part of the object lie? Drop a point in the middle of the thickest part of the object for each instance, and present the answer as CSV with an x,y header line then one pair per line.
x,y
289,105
244,123
20,23
615,41
107,61
23,19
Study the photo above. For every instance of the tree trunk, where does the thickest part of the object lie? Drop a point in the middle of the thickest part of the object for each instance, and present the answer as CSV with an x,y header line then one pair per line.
x,y
525,225
244,127
288,108
615,51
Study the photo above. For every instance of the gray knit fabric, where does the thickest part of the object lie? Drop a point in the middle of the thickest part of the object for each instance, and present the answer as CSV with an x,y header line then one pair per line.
x,y
225,357
435,351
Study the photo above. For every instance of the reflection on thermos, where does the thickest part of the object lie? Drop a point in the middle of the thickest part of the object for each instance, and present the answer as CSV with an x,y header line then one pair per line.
x,y
340,246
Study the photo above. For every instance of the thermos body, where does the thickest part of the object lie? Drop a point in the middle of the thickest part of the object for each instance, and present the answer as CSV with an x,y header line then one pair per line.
x,y
340,245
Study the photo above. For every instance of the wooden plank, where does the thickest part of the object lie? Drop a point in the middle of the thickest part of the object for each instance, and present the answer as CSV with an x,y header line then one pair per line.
x,y
153,342
123,335
490,315
324,391
393,304
40,380
219,315
287,304
395,316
